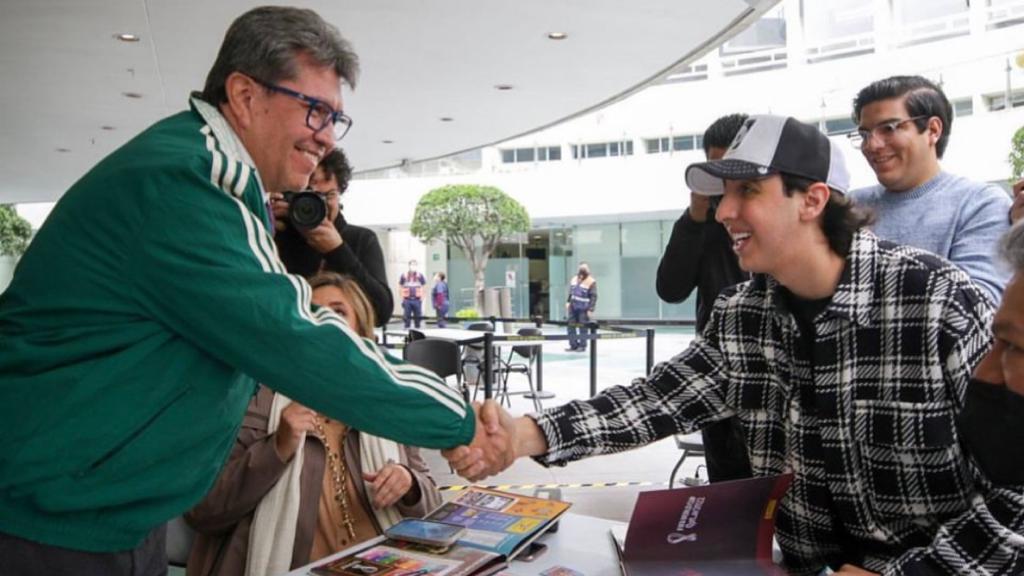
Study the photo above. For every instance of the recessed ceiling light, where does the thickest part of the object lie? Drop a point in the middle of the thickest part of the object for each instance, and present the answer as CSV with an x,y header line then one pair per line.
x,y
127,37
557,35
134,95
503,87
447,119
63,150
387,141
108,127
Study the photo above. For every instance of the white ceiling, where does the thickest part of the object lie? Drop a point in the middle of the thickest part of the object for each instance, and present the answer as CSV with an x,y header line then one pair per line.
x,y
64,74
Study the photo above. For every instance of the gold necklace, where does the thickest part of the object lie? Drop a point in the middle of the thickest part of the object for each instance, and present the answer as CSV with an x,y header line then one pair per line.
x,y
339,472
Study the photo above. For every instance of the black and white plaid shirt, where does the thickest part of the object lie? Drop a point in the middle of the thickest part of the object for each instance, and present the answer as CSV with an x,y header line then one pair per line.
x,y
864,415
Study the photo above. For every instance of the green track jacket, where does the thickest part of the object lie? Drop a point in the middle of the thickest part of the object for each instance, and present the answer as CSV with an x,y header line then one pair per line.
x,y
134,332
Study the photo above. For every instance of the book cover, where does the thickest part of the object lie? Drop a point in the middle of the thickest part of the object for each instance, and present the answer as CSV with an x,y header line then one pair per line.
x,y
498,526
722,529
499,521
393,558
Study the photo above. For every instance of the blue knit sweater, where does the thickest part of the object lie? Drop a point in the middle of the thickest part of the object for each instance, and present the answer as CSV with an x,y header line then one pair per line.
x,y
956,218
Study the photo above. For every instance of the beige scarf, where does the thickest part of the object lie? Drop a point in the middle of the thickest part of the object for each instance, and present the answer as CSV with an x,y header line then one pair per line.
x,y
272,535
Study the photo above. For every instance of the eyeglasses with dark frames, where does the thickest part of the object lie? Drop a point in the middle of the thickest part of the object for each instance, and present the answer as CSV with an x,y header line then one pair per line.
x,y
883,131
319,114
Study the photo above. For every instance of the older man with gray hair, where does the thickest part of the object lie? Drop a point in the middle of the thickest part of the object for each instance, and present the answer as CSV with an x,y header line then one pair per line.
x,y
152,301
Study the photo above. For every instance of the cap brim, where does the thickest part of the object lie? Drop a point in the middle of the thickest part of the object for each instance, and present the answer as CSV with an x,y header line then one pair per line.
x,y
707,178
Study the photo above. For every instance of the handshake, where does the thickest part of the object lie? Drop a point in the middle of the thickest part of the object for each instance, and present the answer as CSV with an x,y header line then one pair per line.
x,y
498,441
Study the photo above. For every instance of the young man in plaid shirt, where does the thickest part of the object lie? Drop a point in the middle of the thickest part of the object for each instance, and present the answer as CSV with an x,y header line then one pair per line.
x,y
845,358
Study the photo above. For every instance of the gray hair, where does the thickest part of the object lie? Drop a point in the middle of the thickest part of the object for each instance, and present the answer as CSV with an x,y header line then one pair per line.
x,y
1012,247
265,42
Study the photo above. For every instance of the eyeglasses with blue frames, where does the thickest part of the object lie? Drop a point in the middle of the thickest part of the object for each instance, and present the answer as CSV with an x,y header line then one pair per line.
x,y
884,131
319,114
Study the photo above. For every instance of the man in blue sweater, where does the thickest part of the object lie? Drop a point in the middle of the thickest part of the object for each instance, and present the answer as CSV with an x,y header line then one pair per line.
x,y
904,124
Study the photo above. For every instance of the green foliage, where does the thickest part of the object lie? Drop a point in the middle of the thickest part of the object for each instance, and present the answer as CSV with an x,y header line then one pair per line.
x,y
1016,157
461,212
467,314
15,232
475,218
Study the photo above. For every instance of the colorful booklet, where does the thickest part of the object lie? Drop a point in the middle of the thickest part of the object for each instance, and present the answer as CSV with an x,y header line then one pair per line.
x,y
721,529
499,525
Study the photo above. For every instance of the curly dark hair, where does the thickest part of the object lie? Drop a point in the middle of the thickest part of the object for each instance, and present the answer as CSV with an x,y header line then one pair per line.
x,y
722,131
336,164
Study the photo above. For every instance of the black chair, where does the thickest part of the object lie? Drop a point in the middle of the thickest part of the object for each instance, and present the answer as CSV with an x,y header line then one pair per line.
x,y
414,334
508,367
439,356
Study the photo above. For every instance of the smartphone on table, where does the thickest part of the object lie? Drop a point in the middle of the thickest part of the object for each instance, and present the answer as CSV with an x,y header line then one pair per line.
x,y
430,532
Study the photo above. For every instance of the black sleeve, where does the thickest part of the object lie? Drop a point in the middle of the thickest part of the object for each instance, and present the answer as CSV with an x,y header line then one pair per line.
x,y
677,271
363,260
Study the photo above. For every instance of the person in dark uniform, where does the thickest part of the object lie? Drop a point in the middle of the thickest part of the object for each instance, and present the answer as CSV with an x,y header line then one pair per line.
x,y
411,284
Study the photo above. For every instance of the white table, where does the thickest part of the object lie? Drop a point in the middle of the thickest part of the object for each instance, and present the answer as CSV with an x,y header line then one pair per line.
x,y
582,543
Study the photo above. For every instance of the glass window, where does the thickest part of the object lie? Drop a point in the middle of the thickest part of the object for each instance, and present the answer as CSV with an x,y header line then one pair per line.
x,y
998,102
963,107
575,152
508,156
911,11
829,20
835,126
613,148
683,142
554,153
542,154
653,145
524,155
597,150
629,148
599,246
641,253
768,32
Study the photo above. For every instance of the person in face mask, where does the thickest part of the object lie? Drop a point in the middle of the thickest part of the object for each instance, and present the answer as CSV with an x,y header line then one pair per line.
x,y
580,305
993,413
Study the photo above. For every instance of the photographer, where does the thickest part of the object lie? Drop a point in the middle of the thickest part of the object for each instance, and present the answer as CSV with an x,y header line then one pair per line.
x,y
334,245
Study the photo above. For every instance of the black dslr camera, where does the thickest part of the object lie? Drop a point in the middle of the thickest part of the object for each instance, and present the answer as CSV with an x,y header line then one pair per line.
x,y
306,210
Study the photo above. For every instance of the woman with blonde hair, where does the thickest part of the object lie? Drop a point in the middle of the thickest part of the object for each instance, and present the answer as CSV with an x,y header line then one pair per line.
x,y
300,486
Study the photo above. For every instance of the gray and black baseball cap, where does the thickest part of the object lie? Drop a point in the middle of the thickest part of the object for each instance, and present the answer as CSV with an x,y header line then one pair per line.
x,y
768,145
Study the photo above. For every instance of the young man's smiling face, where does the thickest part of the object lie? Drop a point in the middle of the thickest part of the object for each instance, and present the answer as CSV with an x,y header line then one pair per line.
x,y
760,219
901,156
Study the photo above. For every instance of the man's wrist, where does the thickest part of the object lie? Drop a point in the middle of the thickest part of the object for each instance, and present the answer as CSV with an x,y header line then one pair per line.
x,y
530,439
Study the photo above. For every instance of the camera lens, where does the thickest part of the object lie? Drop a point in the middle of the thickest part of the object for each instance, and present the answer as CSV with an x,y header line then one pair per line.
x,y
306,210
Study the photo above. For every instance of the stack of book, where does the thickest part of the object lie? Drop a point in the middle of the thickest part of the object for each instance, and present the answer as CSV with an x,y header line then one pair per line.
x,y
499,526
